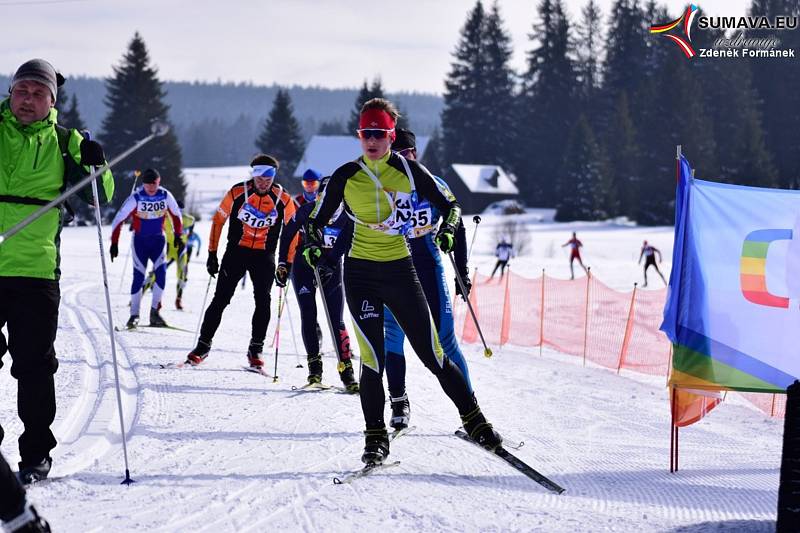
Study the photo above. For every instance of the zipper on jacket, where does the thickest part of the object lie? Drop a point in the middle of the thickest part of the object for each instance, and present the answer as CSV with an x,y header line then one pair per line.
x,y
38,147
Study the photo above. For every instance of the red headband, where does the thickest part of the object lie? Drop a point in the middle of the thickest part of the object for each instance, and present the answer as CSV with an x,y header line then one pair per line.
x,y
375,119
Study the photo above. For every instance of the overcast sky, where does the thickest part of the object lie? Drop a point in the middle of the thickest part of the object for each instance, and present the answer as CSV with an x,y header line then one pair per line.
x,y
329,43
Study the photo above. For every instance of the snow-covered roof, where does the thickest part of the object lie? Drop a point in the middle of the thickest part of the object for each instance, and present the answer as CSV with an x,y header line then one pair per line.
x,y
486,179
326,153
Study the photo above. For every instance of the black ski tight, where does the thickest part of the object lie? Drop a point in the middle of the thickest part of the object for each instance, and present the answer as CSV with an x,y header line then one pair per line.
x,y
369,285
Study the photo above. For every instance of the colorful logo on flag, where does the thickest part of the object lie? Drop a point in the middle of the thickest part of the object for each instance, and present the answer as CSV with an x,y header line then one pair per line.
x,y
753,268
685,23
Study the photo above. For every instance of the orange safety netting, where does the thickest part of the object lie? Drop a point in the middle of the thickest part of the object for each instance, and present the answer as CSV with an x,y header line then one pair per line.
x,y
581,317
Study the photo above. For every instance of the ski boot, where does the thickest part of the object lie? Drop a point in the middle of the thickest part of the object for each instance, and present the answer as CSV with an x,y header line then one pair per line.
x,y
376,446
33,472
480,431
401,413
133,321
178,304
199,354
254,355
155,319
315,368
27,520
348,379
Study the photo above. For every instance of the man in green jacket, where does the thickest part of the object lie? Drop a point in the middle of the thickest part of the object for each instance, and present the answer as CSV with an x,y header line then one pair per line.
x,y
38,160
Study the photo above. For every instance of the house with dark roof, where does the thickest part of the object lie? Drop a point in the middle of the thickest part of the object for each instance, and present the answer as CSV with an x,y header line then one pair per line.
x,y
477,186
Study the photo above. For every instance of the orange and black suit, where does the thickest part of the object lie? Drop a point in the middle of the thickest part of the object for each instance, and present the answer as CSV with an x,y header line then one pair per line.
x,y
255,222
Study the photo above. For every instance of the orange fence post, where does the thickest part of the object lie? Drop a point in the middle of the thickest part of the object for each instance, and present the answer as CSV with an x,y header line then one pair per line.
x,y
505,325
586,314
541,322
628,328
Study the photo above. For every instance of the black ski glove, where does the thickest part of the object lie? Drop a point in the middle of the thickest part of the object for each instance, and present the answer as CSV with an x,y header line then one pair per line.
x,y
114,251
92,153
446,237
312,251
467,287
282,274
212,263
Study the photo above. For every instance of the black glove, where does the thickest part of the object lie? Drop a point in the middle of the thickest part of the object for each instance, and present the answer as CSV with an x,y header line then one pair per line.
x,y
282,274
446,237
114,251
212,263
92,153
467,286
312,251
325,275
179,244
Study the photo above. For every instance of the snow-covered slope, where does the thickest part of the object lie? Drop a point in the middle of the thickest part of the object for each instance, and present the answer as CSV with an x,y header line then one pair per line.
x,y
215,448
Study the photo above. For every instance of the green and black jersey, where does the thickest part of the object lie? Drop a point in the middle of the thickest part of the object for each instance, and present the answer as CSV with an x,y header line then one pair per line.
x,y
378,211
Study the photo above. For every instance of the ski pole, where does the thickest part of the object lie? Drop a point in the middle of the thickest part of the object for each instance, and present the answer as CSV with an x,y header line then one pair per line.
x,y
158,129
98,221
334,336
477,220
136,174
200,318
486,350
278,333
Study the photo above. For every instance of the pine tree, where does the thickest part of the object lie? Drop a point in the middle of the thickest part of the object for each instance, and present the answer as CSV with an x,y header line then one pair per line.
x,y
71,117
433,158
780,100
547,103
588,53
462,116
498,98
281,136
135,99
582,181
367,92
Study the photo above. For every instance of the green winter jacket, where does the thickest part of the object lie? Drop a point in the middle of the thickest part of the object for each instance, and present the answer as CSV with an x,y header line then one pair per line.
x,y
31,166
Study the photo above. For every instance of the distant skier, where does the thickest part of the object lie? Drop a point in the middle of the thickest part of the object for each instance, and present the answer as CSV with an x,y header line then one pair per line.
x,y
177,252
337,236
504,252
649,253
311,181
148,206
256,211
575,253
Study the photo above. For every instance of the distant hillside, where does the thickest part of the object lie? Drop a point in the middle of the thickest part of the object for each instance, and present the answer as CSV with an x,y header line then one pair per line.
x,y
236,112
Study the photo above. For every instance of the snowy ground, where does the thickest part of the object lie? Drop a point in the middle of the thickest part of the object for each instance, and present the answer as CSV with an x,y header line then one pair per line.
x,y
215,448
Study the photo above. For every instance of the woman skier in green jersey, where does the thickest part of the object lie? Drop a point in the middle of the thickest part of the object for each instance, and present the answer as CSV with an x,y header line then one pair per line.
x,y
380,190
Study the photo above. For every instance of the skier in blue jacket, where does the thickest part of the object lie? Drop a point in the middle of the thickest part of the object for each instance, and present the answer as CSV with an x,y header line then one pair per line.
x,y
428,264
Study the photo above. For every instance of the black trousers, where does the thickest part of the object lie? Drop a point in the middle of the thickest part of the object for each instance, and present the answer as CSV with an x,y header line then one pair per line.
x,y
304,289
501,264
29,310
236,261
369,285
12,495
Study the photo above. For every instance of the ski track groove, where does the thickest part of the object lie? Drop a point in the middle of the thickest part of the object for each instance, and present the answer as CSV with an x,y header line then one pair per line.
x,y
90,424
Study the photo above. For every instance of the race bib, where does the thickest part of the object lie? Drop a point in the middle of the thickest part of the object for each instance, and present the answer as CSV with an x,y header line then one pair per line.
x,y
329,236
400,221
148,209
422,219
256,219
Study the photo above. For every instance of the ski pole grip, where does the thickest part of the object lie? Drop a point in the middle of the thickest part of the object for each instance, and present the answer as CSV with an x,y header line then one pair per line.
x,y
476,219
